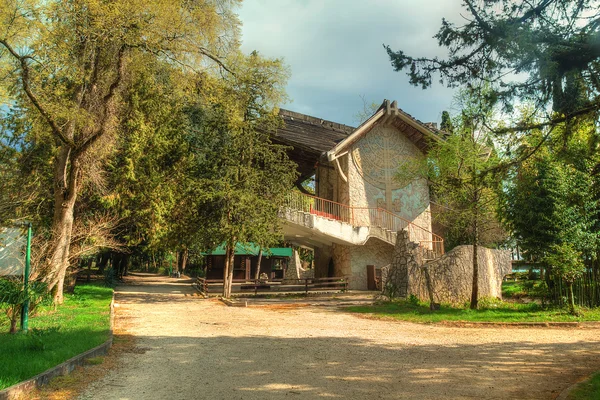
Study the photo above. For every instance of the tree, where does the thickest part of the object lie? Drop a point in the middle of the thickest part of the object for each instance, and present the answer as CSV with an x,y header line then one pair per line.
x,y
460,173
551,204
240,177
543,52
66,63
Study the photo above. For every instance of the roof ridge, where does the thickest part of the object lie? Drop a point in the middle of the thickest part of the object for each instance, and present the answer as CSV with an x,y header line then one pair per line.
x,y
317,121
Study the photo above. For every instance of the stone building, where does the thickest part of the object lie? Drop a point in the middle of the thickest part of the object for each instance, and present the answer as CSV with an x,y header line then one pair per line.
x,y
358,207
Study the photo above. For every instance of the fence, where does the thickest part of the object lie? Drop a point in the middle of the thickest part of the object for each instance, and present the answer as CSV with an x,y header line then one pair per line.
x,y
12,251
586,290
215,286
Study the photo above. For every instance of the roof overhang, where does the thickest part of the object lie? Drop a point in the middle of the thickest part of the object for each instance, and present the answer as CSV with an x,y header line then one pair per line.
x,y
386,114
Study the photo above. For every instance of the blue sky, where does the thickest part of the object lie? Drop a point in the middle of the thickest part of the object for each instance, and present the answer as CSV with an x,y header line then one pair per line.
x,y
335,53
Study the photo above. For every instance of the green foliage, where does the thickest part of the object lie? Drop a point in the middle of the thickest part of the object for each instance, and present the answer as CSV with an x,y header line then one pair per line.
x,y
13,296
539,51
551,203
238,177
414,300
587,390
566,261
81,323
110,278
68,71
533,289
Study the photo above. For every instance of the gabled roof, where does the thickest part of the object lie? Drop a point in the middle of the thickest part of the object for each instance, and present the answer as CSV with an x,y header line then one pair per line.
x,y
389,114
310,138
311,134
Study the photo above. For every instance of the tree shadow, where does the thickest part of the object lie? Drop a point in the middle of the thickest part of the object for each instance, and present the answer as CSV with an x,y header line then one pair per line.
x,y
265,367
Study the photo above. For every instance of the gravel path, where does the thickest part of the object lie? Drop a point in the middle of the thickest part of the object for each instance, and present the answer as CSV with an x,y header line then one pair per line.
x,y
191,348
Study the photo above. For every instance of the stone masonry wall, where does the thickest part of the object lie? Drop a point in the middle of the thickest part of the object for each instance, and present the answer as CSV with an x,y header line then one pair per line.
x,y
294,269
373,252
322,257
451,275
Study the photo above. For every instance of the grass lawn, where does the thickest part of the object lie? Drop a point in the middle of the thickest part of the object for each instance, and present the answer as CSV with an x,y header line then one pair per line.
x,y
588,390
492,312
522,288
81,323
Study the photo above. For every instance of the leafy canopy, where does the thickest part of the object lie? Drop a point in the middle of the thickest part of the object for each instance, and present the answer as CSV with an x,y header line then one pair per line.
x,y
542,52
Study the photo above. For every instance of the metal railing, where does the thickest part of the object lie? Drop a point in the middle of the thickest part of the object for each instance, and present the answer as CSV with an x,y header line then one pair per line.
x,y
321,207
207,287
366,216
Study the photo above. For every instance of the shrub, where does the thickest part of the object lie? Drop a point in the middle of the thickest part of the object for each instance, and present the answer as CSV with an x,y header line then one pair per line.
x,y
110,278
13,297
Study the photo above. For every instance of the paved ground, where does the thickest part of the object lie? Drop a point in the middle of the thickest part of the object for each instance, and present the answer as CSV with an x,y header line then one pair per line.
x,y
191,348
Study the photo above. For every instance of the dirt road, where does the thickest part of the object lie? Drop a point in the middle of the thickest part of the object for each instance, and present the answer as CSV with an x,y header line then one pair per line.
x,y
191,348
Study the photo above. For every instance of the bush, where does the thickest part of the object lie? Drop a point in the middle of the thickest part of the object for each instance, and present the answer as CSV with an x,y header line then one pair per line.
x,y
110,278
13,297
489,303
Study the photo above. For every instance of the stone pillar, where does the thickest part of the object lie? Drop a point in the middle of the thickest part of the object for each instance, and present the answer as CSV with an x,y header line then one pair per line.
x,y
405,261
294,267
322,257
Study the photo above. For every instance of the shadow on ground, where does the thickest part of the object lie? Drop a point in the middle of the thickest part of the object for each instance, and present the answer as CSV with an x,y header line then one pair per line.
x,y
271,367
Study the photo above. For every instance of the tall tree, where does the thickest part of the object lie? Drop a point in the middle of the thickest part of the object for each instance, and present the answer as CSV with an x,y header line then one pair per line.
x,y
551,204
66,62
543,52
460,173
241,177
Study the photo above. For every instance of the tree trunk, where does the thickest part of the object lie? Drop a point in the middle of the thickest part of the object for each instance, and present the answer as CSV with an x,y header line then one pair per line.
x,y
13,325
475,285
102,263
184,259
571,298
228,270
89,270
226,273
126,265
65,195
257,274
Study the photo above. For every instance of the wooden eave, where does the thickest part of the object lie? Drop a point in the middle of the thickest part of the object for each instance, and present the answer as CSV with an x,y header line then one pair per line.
x,y
309,138
389,114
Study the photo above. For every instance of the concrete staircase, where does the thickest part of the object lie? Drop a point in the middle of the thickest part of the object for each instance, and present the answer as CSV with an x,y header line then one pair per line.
x,y
328,221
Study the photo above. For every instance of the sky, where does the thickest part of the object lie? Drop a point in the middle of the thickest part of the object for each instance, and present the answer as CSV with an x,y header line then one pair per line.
x,y
334,49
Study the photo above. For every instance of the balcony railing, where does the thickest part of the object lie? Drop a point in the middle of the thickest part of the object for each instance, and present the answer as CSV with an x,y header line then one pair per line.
x,y
365,216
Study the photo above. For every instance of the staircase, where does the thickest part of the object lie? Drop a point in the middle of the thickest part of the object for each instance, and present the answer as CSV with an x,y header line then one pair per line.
x,y
356,225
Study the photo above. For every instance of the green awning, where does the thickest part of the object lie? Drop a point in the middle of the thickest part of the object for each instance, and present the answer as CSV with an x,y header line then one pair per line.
x,y
251,249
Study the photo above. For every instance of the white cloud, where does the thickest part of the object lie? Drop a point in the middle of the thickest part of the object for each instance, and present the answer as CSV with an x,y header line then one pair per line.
x,y
334,49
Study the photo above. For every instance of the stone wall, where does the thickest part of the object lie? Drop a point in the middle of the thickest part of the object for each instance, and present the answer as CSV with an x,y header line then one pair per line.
x,y
451,275
341,260
295,270
322,256
373,252
351,261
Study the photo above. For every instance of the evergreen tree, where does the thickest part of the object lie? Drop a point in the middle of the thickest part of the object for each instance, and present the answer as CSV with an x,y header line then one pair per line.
x,y
543,52
239,179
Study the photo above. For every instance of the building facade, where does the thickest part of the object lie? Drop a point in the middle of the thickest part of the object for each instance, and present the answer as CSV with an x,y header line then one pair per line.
x,y
359,203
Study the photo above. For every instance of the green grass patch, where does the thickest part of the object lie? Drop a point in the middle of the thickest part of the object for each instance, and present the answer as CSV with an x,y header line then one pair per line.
x,y
589,389
54,336
490,311
514,289
534,289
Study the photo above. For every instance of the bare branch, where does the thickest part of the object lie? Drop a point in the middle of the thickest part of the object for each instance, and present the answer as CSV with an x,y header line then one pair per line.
x,y
23,60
